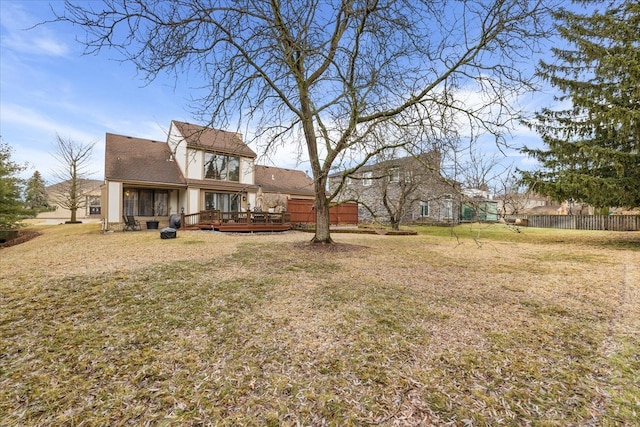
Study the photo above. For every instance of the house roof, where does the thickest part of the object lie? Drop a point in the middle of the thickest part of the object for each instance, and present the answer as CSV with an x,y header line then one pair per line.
x,y
208,184
214,139
87,186
431,158
287,181
140,160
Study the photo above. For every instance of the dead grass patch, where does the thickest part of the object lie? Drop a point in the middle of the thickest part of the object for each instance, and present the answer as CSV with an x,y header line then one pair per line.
x,y
328,248
212,329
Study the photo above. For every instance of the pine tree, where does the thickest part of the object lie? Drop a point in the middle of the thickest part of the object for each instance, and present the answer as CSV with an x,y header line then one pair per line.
x,y
35,194
11,211
593,147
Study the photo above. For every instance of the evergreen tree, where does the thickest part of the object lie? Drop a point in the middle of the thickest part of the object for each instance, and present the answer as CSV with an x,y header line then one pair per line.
x,y
11,211
593,147
35,193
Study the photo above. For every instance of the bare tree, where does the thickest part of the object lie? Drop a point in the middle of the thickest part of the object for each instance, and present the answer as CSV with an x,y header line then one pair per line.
x,y
514,193
73,159
396,185
328,73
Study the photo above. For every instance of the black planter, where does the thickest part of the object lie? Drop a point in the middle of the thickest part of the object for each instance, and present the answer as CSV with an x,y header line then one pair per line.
x,y
152,225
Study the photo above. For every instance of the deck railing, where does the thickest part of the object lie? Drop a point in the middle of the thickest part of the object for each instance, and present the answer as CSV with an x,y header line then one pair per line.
x,y
192,220
217,217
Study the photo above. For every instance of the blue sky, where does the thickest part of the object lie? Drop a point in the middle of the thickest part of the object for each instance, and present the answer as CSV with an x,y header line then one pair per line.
x,y
48,86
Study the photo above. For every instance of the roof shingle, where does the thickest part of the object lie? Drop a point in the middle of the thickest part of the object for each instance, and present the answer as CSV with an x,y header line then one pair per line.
x,y
214,139
141,160
279,180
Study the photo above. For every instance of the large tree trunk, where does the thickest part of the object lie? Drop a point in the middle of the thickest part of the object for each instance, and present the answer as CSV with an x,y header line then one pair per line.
x,y
322,214
73,194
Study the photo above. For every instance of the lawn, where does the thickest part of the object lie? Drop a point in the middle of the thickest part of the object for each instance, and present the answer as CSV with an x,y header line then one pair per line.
x,y
476,325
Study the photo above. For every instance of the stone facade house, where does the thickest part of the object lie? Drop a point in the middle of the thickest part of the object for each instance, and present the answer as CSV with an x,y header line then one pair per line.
x,y
412,189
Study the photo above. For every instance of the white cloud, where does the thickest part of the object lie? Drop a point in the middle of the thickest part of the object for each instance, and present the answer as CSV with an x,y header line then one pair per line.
x,y
21,33
16,116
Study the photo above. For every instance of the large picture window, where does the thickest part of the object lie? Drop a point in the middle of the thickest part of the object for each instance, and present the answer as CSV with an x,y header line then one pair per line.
x,y
221,167
143,202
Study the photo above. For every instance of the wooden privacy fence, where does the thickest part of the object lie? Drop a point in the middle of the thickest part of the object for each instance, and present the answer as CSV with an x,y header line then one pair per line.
x,y
586,222
302,212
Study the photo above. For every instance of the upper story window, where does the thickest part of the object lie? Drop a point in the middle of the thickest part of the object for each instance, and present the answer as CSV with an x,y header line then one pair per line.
x,y
367,179
394,175
408,176
221,167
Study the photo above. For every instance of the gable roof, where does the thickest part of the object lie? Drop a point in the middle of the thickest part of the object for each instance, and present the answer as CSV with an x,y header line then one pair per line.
x,y
140,160
431,158
86,186
216,140
280,180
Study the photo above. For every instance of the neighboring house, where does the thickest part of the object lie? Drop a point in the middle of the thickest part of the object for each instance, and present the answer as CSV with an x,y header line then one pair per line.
x,y
197,168
90,193
415,188
478,205
277,186
523,203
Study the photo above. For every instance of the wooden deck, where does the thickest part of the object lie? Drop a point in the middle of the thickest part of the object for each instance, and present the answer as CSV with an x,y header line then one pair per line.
x,y
236,221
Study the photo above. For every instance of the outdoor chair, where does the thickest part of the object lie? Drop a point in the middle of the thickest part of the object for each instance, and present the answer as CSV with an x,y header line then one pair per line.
x,y
130,223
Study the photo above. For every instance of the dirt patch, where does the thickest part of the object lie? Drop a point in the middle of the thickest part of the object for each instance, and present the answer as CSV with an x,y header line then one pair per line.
x,y
328,247
24,236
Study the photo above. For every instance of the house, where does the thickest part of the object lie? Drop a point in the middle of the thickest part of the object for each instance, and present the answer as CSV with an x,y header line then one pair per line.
x,y
198,168
89,191
529,202
413,189
478,205
279,185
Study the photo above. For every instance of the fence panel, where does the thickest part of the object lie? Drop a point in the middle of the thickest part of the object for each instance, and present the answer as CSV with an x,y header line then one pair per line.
x,y
302,212
586,222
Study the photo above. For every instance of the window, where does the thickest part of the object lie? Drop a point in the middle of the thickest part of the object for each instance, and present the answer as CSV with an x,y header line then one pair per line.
x,y
408,176
367,179
144,202
223,202
394,175
424,209
221,167
348,181
448,206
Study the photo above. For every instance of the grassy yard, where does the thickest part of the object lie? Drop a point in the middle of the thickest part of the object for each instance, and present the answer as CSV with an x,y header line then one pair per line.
x,y
476,325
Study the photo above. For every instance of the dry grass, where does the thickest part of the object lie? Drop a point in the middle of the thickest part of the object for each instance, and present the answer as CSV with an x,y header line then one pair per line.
x,y
489,327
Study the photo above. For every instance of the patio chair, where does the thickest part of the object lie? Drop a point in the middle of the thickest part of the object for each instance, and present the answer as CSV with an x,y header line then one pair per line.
x,y
130,223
